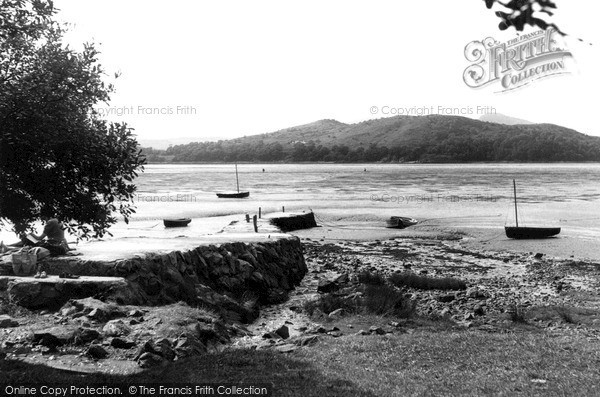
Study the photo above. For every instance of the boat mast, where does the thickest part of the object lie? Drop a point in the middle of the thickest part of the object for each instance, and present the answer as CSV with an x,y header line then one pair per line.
x,y
237,181
515,190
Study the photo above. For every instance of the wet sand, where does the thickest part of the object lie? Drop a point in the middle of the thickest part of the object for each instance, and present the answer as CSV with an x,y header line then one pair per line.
x,y
570,243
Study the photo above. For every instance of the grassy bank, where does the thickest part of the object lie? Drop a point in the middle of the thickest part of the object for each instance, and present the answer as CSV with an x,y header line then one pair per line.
x,y
425,361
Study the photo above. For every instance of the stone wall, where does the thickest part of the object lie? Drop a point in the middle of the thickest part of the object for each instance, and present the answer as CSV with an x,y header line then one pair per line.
x,y
227,277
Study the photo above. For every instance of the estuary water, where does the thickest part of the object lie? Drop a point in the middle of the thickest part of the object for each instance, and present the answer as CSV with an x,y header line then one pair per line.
x,y
460,197
546,193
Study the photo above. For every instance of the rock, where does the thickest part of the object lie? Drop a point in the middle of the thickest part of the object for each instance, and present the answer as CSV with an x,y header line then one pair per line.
x,y
322,330
97,314
326,286
336,313
465,324
287,348
341,279
363,332
270,335
119,343
377,330
446,298
8,322
307,340
96,352
52,293
539,255
283,331
478,310
476,293
317,313
164,348
85,335
68,311
335,334
55,336
116,328
188,346
135,313
94,309
161,348
149,360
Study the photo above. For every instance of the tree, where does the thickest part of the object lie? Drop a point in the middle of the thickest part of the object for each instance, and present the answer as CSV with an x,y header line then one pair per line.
x,y
57,156
523,12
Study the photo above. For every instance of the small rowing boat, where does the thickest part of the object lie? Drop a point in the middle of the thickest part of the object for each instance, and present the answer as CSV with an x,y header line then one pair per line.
x,y
400,222
179,222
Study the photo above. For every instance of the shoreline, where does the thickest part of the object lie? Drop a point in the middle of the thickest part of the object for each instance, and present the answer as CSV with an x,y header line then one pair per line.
x,y
565,246
504,277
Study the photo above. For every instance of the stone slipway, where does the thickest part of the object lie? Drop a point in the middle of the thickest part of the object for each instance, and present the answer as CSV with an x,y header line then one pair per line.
x,y
228,271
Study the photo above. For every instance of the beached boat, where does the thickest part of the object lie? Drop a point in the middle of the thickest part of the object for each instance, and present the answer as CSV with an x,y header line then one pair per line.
x,y
400,222
236,194
233,195
178,222
522,232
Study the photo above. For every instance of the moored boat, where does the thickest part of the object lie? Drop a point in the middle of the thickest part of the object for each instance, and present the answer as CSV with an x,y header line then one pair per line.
x,y
236,194
233,195
525,232
530,232
400,222
176,222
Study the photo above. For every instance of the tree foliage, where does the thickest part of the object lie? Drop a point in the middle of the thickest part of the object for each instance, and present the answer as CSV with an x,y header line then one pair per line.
x,y
520,13
57,156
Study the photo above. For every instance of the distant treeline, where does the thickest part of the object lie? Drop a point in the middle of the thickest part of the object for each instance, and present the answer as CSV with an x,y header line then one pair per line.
x,y
527,146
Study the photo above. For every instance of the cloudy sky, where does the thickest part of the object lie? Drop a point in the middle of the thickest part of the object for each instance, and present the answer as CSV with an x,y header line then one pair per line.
x,y
206,69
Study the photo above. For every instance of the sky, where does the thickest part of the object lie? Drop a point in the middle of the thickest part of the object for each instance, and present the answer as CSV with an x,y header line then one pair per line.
x,y
208,69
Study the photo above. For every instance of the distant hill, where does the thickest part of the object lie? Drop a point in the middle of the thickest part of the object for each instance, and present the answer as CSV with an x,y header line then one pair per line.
x,y
163,144
502,119
432,138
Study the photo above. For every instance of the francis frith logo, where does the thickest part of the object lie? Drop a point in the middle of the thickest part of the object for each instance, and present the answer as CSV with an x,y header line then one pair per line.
x,y
517,62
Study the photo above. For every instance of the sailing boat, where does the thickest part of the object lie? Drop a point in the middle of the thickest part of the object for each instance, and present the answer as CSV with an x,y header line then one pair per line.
x,y
520,232
237,194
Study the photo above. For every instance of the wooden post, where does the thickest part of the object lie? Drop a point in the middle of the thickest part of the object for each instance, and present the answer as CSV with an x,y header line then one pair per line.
x,y
255,224
516,215
282,208
259,212
247,218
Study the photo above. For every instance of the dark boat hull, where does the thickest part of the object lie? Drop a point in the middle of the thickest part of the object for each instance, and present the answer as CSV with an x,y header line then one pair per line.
x,y
531,232
400,222
233,195
180,222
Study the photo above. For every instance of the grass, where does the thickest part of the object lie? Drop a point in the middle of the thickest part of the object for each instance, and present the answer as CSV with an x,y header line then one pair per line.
x,y
565,314
517,314
329,302
378,297
412,280
426,362
387,301
370,278
381,300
